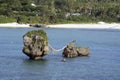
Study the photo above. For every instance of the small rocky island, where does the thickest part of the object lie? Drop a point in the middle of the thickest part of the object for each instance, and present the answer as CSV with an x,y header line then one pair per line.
x,y
72,51
35,44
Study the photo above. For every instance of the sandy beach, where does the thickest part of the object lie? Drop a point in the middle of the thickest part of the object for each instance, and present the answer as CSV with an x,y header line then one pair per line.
x,y
14,25
87,26
99,25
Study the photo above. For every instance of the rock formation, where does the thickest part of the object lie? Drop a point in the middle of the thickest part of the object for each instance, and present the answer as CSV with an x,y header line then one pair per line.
x,y
38,25
71,51
35,44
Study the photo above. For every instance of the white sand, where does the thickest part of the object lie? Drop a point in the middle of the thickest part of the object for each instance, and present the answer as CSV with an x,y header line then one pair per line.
x,y
99,25
87,26
14,25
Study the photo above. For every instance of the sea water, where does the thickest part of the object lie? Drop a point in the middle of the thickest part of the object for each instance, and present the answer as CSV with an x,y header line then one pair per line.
x,y
103,63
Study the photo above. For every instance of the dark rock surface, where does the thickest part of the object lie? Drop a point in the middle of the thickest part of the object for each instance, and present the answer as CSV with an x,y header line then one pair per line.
x,y
38,25
35,44
71,51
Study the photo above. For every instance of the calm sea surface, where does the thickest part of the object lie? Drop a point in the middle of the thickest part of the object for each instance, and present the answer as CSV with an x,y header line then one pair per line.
x,y
103,62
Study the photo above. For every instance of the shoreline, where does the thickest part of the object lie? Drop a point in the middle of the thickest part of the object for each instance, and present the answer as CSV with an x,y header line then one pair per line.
x,y
14,25
99,25
87,26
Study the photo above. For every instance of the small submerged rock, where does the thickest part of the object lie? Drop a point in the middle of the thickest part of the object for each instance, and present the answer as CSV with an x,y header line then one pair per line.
x,y
35,44
63,60
71,51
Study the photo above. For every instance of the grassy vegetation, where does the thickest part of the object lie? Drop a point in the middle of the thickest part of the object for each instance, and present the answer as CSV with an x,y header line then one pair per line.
x,y
54,11
37,32
5,19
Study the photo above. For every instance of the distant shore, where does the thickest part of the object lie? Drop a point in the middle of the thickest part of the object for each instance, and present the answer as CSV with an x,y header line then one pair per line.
x,y
99,25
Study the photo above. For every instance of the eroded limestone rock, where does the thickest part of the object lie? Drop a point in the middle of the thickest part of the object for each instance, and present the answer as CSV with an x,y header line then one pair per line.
x,y
35,44
71,51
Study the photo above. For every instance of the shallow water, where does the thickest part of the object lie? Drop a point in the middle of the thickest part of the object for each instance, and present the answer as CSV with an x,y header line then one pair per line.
x,y
103,63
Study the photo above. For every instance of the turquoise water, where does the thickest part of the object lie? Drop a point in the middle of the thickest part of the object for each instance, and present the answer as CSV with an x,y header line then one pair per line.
x,y
103,63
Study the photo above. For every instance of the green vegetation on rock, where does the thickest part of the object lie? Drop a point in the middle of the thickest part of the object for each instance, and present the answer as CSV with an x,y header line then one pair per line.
x,y
41,33
38,32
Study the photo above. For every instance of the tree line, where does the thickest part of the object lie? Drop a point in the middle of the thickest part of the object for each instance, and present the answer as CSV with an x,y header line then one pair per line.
x,y
59,11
